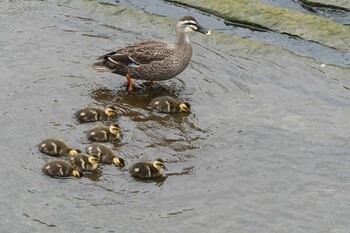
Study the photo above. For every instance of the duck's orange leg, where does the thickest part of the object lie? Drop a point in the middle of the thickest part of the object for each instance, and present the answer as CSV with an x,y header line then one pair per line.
x,y
128,77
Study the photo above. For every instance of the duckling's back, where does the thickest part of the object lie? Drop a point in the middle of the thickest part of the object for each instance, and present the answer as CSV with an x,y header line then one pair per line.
x,y
144,170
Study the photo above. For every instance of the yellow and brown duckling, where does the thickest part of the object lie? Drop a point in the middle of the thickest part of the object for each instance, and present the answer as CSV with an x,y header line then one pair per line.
x,y
167,104
61,168
148,169
105,154
95,113
56,147
104,133
84,162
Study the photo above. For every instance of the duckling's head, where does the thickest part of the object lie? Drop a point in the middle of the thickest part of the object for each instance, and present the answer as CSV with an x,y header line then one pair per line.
x,y
74,152
184,107
119,162
159,164
114,129
111,111
189,24
77,173
93,160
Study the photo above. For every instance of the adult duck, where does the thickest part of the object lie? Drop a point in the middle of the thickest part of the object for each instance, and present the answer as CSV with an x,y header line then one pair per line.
x,y
153,60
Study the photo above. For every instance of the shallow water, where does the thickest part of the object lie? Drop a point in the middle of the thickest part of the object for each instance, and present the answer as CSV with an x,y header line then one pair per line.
x,y
264,149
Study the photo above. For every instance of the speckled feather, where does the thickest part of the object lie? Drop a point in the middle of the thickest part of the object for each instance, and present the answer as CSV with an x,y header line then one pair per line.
x,y
153,60
148,60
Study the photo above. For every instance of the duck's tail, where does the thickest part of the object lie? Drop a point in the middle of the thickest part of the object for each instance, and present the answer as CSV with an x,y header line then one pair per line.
x,y
100,67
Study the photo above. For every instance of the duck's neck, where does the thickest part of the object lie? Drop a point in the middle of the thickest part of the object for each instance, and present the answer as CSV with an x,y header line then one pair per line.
x,y
182,38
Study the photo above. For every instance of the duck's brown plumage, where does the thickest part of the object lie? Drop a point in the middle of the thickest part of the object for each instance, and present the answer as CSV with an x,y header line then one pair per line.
x,y
153,60
147,61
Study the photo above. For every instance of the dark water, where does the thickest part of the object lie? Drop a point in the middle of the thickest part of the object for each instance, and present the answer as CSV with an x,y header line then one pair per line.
x,y
265,148
330,12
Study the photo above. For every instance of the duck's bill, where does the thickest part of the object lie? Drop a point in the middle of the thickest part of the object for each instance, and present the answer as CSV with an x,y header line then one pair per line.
x,y
204,30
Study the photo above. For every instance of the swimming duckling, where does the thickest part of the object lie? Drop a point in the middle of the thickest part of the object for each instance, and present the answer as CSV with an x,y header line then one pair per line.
x,y
148,169
103,133
167,104
61,168
95,113
56,147
84,162
105,154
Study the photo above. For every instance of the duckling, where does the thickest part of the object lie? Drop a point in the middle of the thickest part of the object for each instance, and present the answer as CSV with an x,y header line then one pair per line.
x,y
95,113
61,168
167,104
105,154
84,162
56,147
148,169
103,133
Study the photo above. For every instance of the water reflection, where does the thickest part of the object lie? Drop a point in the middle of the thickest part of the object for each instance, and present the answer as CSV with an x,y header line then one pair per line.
x,y
185,171
149,134
158,181
141,96
93,175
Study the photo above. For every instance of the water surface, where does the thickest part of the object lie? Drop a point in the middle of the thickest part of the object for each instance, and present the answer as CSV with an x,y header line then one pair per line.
x,y
264,149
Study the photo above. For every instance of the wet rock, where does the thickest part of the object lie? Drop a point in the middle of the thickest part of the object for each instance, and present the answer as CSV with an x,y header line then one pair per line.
x,y
344,4
282,20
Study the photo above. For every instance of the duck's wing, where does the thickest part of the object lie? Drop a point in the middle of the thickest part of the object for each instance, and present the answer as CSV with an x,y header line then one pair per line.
x,y
140,53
